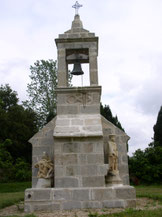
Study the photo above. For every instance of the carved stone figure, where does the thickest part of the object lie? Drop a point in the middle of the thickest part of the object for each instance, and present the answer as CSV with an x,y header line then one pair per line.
x,y
113,155
45,167
113,177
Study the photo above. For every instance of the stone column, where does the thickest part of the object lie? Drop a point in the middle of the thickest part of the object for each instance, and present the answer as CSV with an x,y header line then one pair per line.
x,y
62,68
93,67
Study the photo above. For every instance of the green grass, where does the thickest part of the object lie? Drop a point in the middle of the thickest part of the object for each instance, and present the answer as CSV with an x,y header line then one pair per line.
x,y
11,193
28,215
8,199
152,192
14,187
131,213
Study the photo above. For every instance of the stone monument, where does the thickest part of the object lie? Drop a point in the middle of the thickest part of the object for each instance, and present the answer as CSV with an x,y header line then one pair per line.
x,y
90,164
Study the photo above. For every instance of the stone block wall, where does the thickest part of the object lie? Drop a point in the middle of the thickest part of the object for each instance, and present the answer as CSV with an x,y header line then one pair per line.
x,y
79,162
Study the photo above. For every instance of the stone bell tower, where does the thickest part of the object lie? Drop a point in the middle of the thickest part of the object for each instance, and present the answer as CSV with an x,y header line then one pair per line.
x,y
79,158
78,136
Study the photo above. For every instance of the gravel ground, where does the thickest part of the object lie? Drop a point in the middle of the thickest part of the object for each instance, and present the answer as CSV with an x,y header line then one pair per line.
x,y
142,203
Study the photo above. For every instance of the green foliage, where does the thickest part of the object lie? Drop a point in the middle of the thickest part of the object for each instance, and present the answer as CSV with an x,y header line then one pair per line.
x,y
146,166
17,125
8,98
41,90
158,130
106,112
22,170
10,169
6,162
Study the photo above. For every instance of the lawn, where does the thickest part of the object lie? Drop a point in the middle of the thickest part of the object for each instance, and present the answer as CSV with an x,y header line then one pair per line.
x,y
11,193
131,213
14,187
153,192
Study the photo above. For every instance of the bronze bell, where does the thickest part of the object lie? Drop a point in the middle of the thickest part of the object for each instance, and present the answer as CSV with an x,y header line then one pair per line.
x,y
77,70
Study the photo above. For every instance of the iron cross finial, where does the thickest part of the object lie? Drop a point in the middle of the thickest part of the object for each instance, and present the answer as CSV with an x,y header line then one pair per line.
x,y
77,6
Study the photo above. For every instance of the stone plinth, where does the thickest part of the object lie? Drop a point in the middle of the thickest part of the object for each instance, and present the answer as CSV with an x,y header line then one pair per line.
x,y
50,199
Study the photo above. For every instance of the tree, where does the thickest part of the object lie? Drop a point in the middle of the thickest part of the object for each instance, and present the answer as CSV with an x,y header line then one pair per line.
x,y
41,90
158,130
146,166
106,112
17,124
8,97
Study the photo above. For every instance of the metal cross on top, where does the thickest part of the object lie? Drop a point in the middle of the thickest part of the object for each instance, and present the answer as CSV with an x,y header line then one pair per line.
x,y
77,6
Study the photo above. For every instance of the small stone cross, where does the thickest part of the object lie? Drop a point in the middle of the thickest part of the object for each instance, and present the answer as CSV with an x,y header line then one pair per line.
x,y
77,6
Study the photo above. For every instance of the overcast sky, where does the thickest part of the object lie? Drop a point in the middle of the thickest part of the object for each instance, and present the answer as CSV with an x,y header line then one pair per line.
x,y
130,52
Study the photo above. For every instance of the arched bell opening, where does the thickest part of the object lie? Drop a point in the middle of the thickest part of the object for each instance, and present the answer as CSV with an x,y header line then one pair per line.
x,y
80,80
78,66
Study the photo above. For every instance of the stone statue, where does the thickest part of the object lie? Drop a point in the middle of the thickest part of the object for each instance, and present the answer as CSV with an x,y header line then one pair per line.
x,y
45,167
113,155
113,177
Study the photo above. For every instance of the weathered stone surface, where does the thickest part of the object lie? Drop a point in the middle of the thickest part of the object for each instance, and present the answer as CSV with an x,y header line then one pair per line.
x,y
38,194
43,183
95,158
131,203
86,129
40,150
87,148
73,170
89,170
71,205
91,204
59,171
55,206
81,195
93,181
71,148
60,194
42,206
125,193
114,204
102,169
82,159
65,159
103,194
65,182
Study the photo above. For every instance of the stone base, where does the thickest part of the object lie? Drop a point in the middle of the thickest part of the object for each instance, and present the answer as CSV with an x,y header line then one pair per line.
x,y
50,199
113,179
43,183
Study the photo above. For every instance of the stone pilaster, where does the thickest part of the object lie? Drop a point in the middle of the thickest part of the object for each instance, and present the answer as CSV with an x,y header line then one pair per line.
x,y
93,66
62,68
